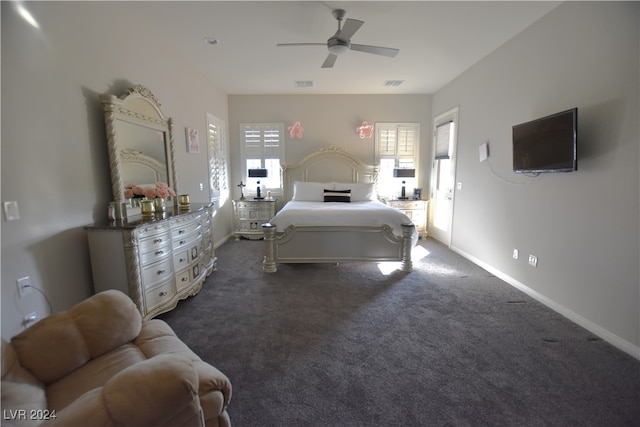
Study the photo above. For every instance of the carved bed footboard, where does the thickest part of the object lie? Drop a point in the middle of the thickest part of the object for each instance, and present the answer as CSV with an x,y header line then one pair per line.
x,y
324,244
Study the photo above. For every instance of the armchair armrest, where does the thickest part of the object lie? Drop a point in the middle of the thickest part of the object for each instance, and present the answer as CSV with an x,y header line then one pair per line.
x,y
161,391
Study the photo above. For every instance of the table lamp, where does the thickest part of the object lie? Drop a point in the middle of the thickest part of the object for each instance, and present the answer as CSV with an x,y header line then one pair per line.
x,y
404,173
258,173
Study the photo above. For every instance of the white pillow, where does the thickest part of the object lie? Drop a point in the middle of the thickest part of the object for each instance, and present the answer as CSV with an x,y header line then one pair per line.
x,y
310,191
360,192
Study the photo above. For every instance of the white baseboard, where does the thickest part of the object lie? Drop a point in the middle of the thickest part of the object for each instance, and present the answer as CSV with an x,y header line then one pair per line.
x,y
596,329
219,243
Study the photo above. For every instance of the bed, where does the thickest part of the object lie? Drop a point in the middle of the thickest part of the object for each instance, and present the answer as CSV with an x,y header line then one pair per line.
x,y
309,230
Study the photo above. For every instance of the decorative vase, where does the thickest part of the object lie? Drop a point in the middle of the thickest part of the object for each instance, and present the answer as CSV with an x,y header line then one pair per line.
x,y
183,201
147,207
160,204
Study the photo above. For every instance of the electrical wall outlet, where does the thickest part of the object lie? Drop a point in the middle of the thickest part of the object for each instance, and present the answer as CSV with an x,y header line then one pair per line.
x,y
516,254
11,211
24,286
533,260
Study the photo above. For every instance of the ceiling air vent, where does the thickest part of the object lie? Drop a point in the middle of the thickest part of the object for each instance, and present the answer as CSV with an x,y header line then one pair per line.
x,y
392,83
303,83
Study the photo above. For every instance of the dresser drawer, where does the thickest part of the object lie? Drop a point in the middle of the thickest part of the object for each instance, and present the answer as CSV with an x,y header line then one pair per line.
x,y
254,214
183,279
151,230
243,226
156,272
416,216
187,276
181,259
155,255
155,242
407,204
159,294
181,227
186,240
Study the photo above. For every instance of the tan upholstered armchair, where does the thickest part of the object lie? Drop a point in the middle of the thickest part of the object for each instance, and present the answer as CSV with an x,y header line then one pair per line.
x,y
100,364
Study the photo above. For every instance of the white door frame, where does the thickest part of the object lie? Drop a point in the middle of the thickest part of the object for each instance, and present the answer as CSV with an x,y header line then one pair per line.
x,y
438,234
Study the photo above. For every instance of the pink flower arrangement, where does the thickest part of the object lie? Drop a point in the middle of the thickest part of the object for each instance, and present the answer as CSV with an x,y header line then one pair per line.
x,y
161,190
296,131
365,130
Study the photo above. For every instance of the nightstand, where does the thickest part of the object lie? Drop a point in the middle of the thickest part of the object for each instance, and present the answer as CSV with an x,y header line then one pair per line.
x,y
416,210
249,215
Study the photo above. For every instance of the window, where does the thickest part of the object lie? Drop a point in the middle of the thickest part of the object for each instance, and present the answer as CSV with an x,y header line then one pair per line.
x,y
217,146
262,147
396,147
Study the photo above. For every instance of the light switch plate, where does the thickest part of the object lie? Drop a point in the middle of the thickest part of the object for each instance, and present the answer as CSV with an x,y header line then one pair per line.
x,y
484,151
11,211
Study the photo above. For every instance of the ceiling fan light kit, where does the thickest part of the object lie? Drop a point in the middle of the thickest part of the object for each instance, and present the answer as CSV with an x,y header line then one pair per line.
x,y
340,42
337,47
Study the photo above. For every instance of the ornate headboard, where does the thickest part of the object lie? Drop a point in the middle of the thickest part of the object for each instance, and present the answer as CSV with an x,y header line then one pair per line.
x,y
328,164
141,169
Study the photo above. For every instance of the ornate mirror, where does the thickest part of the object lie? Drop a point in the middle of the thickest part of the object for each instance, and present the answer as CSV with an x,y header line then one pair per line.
x,y
140,141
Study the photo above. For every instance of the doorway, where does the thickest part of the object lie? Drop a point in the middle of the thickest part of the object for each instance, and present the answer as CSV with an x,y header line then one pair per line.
x,y
443,176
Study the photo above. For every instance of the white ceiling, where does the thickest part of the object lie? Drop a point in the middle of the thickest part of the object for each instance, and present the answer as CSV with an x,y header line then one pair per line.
x,y
437,41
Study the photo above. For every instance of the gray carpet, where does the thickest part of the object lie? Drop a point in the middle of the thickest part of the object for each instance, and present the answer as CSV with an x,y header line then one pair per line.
x,y
446,345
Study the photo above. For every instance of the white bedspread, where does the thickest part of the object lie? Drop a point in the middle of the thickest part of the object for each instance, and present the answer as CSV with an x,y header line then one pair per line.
x,y
373,213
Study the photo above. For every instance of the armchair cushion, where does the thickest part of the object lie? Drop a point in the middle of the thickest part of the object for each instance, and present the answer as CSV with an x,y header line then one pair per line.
x,y
59,344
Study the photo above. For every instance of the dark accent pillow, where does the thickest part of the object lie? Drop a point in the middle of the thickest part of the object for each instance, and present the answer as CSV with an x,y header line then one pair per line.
x,y
337,196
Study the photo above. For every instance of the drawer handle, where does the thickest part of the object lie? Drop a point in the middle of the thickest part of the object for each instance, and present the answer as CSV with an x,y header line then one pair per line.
x,y
163,294
181,232
159,252
182,242
182,260
184,279
157,241
161,272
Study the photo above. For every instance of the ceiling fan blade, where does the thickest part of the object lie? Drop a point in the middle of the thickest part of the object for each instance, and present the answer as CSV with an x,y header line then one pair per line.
x,y
301,44
331,59
349,29
377,50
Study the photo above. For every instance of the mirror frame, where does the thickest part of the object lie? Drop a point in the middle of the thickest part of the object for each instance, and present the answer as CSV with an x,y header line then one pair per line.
x,y
137,106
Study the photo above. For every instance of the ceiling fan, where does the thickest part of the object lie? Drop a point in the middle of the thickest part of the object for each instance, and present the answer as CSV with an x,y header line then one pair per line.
x,y
340,42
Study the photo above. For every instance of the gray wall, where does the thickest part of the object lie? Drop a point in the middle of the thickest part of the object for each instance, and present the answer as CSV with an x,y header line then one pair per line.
x,y
327,120
54,156
584,225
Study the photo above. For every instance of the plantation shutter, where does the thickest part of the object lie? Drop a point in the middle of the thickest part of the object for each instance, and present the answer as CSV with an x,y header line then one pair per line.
x,y
262,146
396,147
217,157
387,141
262,141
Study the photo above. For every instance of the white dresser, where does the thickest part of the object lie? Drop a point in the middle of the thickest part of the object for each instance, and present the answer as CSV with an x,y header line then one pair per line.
x,y
158,261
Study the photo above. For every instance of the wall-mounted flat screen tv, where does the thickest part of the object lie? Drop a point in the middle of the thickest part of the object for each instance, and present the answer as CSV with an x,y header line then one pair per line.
x,y
548,144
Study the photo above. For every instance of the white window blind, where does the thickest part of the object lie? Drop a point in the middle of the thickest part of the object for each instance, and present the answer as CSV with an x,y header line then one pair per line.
x,y
443,139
